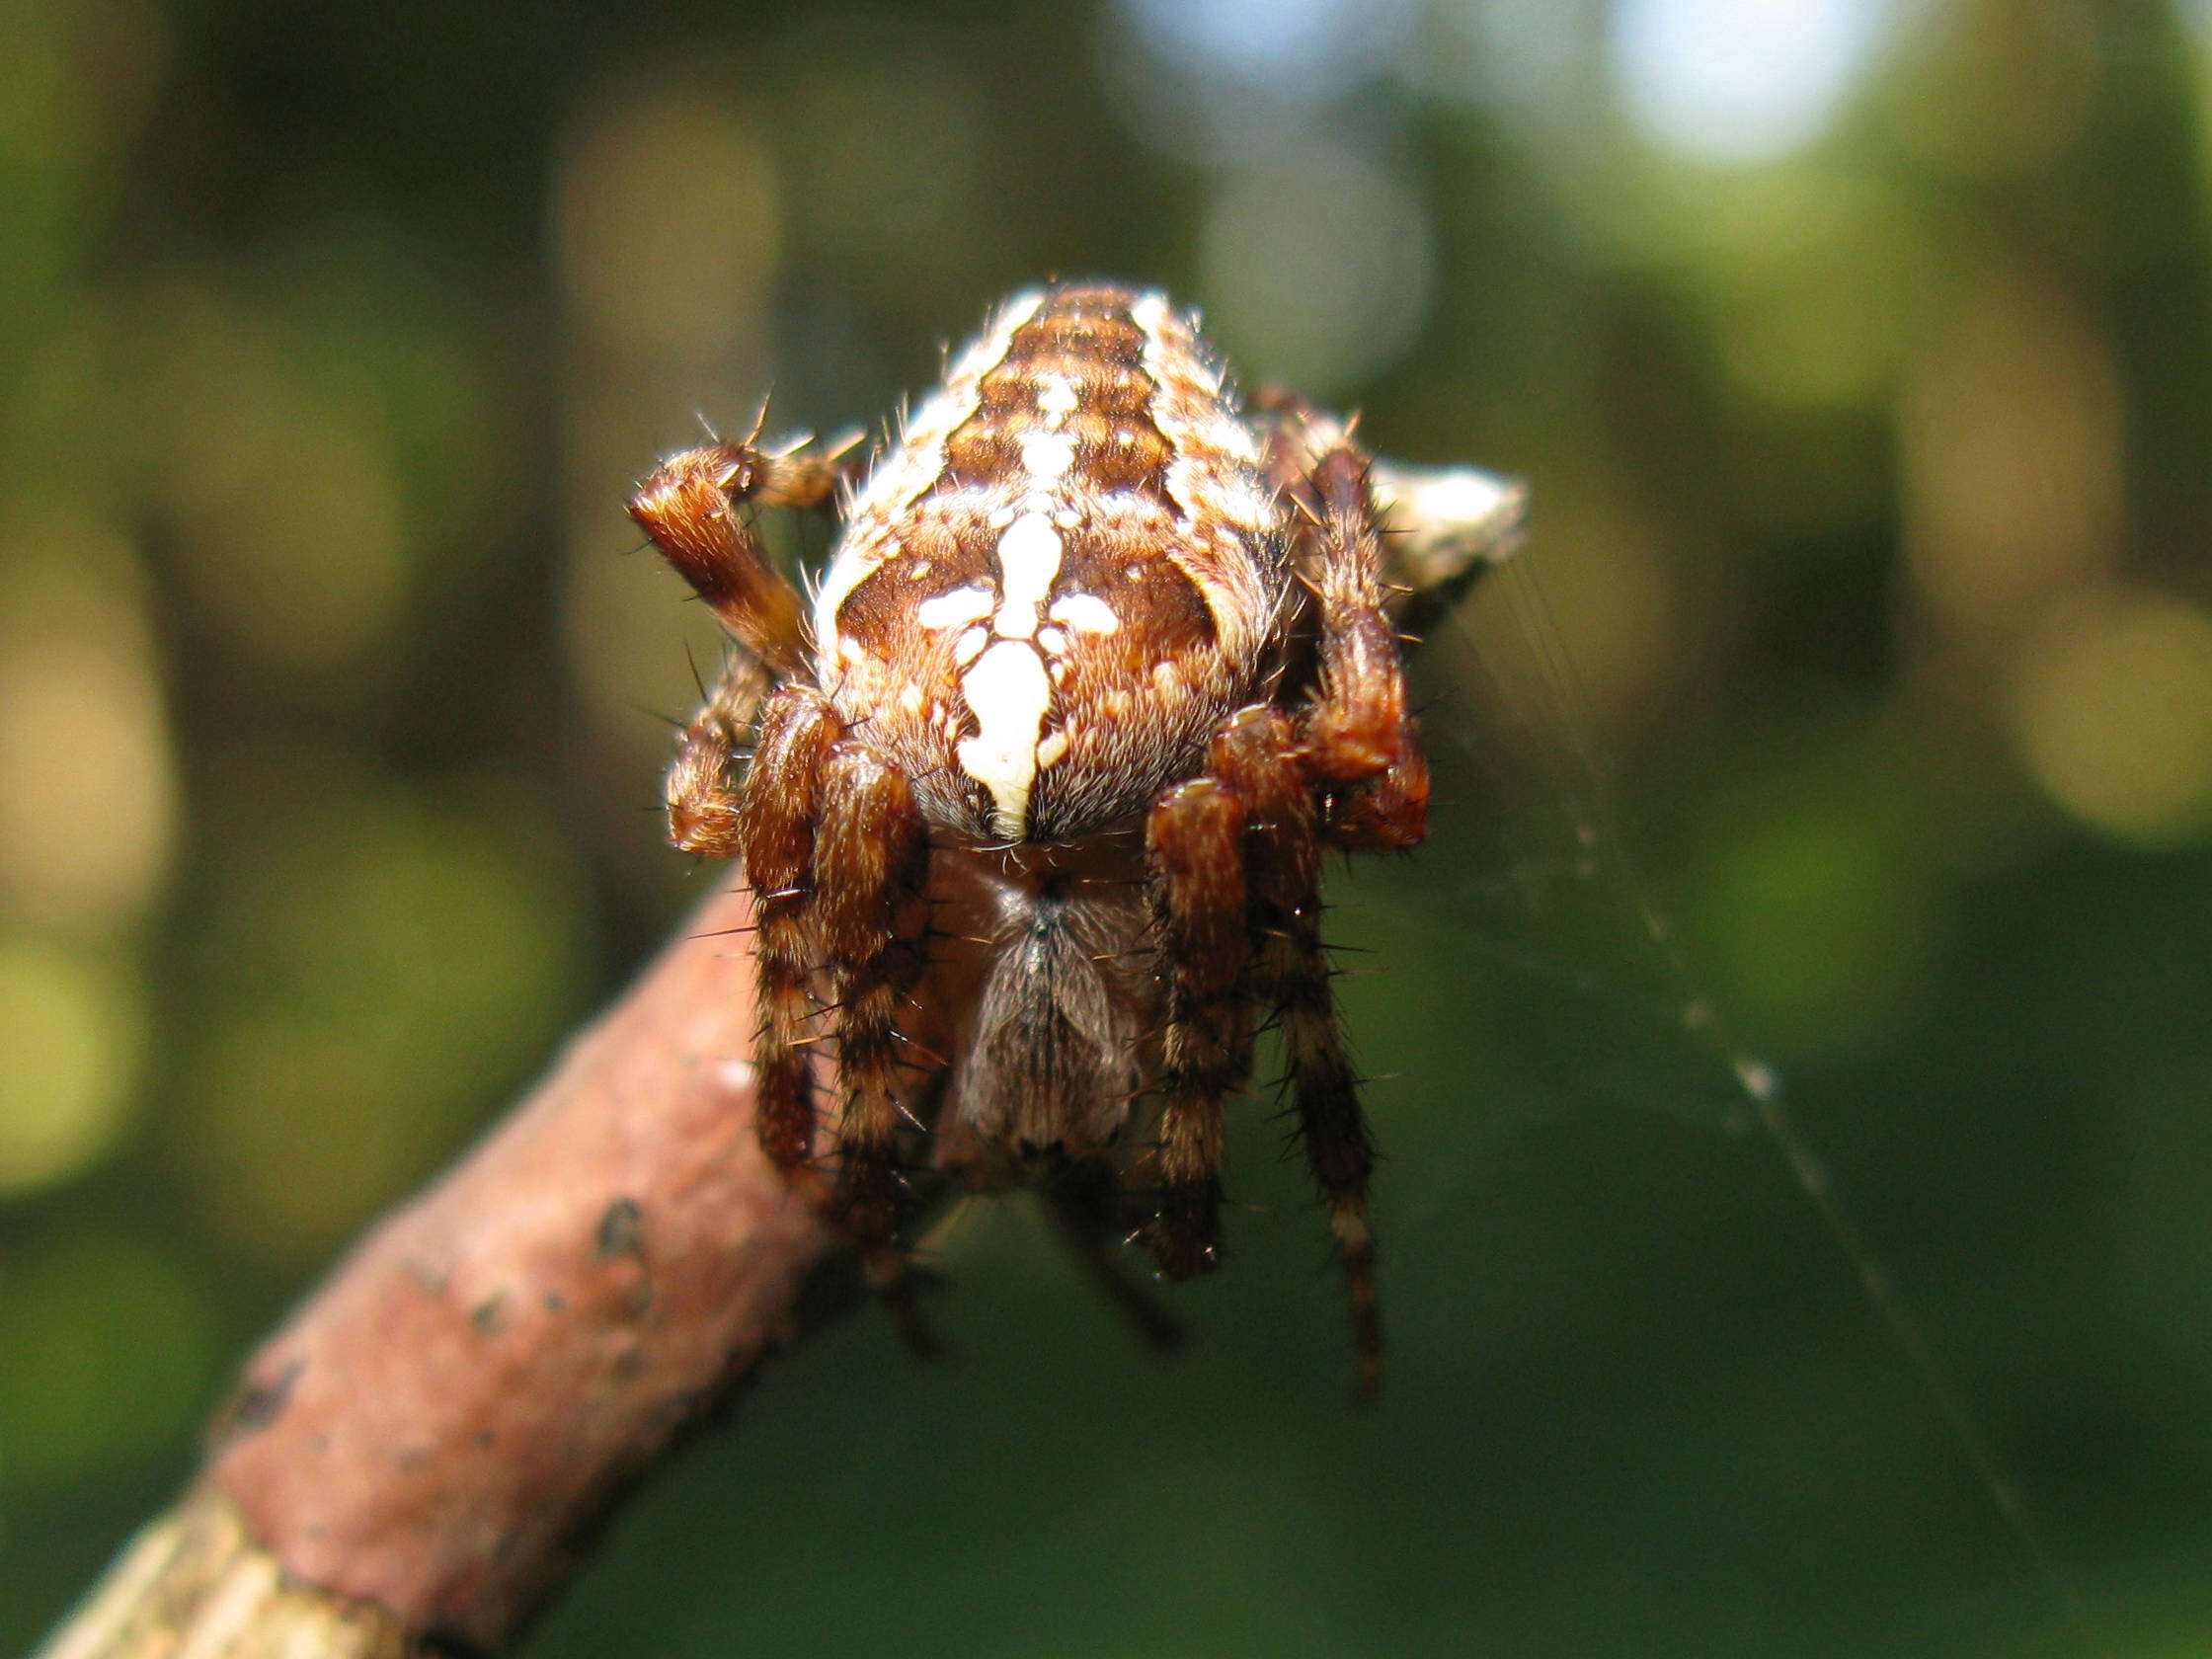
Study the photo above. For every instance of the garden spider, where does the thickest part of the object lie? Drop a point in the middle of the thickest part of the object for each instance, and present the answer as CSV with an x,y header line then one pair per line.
x,y
1036,800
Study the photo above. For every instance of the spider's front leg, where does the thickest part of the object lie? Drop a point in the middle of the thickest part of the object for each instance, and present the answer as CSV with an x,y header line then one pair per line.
x,y
870,855
701,798
775,834
697,506
1360,743
1444,526
697,509
1237,874
836,853
1356,749
1194,844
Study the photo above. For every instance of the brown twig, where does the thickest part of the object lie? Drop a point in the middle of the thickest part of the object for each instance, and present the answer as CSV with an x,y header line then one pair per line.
x,y
420,1453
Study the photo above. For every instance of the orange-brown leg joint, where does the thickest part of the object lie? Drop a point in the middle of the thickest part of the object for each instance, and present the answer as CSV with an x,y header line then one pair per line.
x,y
694,508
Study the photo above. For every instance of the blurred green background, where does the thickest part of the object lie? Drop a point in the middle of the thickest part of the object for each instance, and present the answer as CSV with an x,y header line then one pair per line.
x,y
1858,354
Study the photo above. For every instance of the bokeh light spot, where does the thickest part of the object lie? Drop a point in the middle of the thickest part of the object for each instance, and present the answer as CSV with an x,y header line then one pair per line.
x,y
1299,47
1221,79
1314,268
2111,710
88,811
2012,438
666,223
1741,80
293,532
74,1029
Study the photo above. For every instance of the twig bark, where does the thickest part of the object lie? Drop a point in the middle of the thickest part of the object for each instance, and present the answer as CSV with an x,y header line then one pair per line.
x,y
420,1453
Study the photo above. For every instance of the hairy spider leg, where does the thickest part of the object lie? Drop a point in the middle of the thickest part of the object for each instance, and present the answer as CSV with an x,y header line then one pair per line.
x,y
1091,1210
830,831
697,506
1194,844
697,509
1359,741
1356,742
1361,745
697,789
1259,754
1356,739
870,855
776,840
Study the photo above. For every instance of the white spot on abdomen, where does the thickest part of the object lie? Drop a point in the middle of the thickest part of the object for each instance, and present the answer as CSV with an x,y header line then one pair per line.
x,y
957,608
1045,457
1028,560
1055,396
1008,692
1086,613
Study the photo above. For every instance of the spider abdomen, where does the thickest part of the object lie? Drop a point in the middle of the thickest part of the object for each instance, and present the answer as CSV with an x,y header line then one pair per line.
x,y
1063,575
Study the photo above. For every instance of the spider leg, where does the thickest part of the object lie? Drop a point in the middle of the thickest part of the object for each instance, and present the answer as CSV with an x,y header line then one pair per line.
x,y
1085,1202
697,509
1293,432
1360,743
776,833
1195,846
1259,757
869,855
1445,526
702,802
1359,749
1356,726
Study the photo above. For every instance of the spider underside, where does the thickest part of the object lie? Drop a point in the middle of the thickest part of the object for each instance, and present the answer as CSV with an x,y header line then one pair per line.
x,y
1037,797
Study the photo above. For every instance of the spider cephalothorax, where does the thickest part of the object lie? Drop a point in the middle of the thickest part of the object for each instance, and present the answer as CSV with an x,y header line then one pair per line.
x,y
1035,811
